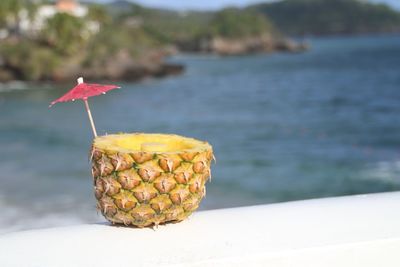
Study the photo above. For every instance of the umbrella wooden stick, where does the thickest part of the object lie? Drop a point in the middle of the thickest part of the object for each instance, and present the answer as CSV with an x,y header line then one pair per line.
x,y
80,80
90,118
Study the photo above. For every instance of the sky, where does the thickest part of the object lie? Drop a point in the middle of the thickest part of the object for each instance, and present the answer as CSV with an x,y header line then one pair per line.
x,y
215,4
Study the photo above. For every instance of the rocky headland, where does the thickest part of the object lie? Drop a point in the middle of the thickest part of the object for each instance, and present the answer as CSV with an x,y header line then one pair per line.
x,y
125,41
249,45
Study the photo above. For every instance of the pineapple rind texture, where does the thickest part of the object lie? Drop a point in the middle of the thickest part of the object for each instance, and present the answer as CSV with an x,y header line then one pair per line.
x,y
144,188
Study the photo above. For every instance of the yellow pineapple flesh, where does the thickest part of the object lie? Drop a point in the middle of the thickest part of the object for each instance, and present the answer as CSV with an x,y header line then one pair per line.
x,y
148,179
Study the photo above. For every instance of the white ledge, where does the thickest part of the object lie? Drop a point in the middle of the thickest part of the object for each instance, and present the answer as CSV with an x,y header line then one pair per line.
x,y
346,231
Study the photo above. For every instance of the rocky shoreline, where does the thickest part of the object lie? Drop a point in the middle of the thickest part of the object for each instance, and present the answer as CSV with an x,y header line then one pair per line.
x,y
131,74
250,45
130,45
122,67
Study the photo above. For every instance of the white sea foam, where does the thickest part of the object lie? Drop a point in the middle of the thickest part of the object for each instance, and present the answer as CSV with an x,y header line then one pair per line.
x,y
385,171
13,86
21,86
19,217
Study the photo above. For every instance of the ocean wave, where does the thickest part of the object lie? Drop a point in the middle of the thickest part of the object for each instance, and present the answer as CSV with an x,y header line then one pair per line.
x,y
13,86
19,217
385,171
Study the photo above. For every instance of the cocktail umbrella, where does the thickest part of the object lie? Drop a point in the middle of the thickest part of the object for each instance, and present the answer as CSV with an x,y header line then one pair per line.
x,y
84,91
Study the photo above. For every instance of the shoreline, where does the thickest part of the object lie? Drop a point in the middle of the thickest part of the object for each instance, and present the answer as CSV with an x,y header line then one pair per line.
x,y
45,65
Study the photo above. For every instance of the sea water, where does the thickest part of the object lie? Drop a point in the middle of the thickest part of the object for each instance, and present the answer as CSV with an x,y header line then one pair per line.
x,y
283,126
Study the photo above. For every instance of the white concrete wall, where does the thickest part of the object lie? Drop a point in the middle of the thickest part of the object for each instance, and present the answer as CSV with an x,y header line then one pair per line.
x,y
348,231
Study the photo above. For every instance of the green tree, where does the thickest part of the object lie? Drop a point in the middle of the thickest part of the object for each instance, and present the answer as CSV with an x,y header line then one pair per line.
x,y
29,60
235,23
64,32
321,17
10,13
99,13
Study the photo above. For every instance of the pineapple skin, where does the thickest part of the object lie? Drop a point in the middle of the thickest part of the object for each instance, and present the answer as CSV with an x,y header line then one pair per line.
x,y
149,188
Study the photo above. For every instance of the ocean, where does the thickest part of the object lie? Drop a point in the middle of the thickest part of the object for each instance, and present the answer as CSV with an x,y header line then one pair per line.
x,y
283,126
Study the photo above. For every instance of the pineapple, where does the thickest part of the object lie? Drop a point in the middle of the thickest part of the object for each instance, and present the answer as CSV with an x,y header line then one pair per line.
x,y
148,179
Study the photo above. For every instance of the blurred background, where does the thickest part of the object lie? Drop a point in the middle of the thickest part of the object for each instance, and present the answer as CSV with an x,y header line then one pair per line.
x,y
299,98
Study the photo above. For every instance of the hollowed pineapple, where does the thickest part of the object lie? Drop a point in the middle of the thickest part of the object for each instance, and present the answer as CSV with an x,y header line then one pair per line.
x,y
148,179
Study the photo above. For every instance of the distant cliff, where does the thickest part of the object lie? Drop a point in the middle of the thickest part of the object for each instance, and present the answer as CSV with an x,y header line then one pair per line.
x,y
67,46
327,17
229,31
126,41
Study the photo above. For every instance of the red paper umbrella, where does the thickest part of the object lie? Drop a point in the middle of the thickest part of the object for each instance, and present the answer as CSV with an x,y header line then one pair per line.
x,y
84,91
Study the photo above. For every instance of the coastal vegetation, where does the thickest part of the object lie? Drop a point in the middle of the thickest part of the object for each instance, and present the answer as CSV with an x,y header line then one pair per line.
x,y
234,23
322,17
94,45
123,40
120,41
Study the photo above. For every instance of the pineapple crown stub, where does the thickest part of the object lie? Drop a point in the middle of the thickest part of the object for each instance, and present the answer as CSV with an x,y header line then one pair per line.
x,y
145,188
